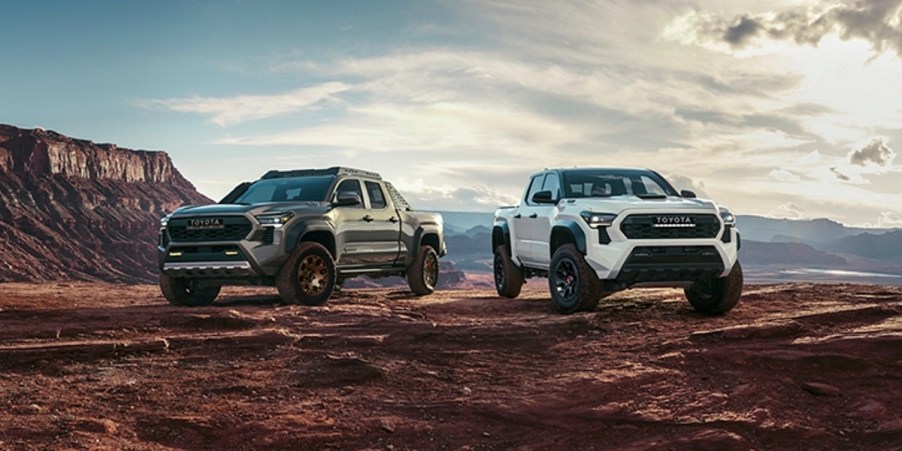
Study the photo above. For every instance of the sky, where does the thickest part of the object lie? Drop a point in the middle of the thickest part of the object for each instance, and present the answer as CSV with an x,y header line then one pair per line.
x,y
777,108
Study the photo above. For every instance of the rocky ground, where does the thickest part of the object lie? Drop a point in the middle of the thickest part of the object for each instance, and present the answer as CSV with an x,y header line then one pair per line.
x,y
794,366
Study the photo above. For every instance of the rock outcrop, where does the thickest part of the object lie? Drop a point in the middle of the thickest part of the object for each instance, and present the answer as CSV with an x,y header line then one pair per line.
x,y
73,209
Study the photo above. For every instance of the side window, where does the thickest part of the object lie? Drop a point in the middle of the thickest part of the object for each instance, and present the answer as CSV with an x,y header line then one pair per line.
x,y
534,187
350,186
397,198
553,184
377,197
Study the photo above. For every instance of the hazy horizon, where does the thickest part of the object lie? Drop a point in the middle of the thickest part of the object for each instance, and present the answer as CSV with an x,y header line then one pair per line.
x,y
786,109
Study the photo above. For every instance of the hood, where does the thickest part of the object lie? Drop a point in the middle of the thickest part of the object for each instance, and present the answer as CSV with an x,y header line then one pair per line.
x,y
618,204
240,209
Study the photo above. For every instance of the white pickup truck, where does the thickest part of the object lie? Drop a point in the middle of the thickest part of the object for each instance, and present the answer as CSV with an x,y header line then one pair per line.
x,y
594,231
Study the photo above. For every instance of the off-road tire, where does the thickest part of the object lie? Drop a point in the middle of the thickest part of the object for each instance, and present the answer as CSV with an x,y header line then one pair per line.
x,y
573,284
185,292
717,295
508,276
308,277
422,275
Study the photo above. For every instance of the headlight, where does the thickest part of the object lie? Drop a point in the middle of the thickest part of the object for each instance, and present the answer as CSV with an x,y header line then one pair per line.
x,y
727,216
164,221
274,219
596,220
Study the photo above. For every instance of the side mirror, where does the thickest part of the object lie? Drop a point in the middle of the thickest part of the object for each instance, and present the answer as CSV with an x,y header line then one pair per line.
x,y
687,193
543,197
346,199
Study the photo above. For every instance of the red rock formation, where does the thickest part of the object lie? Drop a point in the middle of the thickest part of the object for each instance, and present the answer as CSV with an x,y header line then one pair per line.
x,y
73,209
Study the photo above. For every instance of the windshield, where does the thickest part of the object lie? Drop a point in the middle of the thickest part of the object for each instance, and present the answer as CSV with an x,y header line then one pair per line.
x,y
296,189
615,182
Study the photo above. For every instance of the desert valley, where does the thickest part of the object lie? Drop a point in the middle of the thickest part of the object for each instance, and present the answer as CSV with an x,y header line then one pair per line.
x,y
93,357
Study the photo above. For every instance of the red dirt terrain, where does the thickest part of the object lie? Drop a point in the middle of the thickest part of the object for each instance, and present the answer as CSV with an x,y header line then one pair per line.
x,y
794,366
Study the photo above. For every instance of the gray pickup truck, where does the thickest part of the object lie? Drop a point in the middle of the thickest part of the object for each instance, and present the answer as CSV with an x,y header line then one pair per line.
x,y
303,231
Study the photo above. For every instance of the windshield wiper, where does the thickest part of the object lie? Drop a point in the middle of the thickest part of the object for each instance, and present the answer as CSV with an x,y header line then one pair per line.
x,y
651,196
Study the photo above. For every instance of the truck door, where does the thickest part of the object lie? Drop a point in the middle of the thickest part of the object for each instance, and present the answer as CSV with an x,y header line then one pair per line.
x,y
384,240
540,228
352,226
524,222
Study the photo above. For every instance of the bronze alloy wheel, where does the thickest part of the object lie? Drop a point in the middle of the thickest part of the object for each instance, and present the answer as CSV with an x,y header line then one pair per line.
x,y
430,270
313,275
422,274
308,277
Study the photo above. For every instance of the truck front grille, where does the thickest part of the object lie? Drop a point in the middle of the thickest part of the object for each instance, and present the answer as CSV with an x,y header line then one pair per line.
x,y
670,226
233,228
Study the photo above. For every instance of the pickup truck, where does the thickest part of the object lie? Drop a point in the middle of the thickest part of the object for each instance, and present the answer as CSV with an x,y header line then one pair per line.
x,y
595,231
303,231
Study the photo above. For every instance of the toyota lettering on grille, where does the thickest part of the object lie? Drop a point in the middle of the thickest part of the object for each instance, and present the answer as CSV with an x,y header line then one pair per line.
x,y
205,223
673,221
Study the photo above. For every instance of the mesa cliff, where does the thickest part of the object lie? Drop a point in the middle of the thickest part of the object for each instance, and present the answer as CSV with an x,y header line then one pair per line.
x,y
74,209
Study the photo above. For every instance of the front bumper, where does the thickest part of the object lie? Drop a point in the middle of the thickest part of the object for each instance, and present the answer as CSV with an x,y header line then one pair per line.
x,y
630,261
257,255
210,269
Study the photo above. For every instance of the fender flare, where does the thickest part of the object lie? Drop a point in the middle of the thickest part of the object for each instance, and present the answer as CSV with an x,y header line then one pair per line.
x,y
501,234
418,239
574,230
292,236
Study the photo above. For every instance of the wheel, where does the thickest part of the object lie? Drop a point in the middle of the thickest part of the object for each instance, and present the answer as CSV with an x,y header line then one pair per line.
x,y
422,275
574,285
508,276
716,295
187,292
308,277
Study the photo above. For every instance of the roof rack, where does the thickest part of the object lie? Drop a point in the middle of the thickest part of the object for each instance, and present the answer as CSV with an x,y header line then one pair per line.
x,y
334,170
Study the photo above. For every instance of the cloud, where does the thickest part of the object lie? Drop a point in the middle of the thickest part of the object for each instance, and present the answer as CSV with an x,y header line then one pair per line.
x,y
225,111
840,175
744,28
855,167
790,210
474,197
475,128
681,182
783,175
875,153
874,158
876,21
889,219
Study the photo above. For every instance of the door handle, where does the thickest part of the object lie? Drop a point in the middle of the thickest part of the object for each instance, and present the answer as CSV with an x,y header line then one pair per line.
x,y
393,219
518,216
534,216
368,218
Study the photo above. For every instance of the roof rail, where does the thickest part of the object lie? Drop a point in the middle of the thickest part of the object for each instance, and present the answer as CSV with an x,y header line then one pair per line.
x,y
334,170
